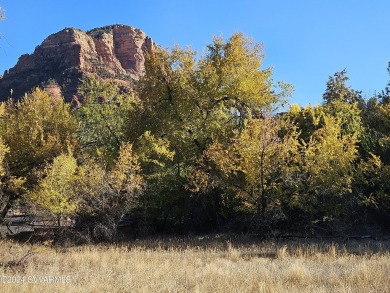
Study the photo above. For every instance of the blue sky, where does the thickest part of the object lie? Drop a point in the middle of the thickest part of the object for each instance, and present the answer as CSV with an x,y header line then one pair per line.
x,y
305,40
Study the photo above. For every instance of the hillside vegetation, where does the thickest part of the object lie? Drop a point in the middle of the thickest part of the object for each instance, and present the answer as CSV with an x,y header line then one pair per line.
x,y
199,148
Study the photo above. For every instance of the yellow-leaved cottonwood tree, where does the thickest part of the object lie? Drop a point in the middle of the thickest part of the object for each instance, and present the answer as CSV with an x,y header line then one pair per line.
x,y
125,177
188,104
254,166
36,129
3,151
326,169
106,196
3,148
56,190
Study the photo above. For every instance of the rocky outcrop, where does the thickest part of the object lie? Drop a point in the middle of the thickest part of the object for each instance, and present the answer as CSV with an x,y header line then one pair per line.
x,y
113,52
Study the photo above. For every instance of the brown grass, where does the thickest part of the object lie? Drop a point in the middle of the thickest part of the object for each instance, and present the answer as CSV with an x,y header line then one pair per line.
x,y
209,264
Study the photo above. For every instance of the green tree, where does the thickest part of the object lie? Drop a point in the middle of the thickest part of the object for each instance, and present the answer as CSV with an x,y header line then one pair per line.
x,y
372,184
384,95
337,90
344,104
104,117
372,177
376,120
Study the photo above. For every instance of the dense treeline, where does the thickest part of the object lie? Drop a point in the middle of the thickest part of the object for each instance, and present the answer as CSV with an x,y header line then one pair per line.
x,y
199,148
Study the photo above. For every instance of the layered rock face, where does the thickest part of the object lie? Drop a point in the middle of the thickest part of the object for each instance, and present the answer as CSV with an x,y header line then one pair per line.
x,y
113,52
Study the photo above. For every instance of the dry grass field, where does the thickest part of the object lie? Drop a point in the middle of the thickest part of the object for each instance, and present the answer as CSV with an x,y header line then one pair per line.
x,y
209,264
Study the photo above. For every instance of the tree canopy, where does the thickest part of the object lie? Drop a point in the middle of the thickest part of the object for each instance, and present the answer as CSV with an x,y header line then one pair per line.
x,y
199,146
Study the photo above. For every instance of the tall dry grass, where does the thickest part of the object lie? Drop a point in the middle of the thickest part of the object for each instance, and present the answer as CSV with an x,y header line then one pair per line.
x,y
199,265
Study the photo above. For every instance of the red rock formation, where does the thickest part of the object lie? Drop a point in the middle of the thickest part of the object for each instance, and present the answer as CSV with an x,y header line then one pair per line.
x,y
112,52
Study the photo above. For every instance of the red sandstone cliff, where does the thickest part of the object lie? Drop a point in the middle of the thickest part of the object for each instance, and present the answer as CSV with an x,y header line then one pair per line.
x,y
112,52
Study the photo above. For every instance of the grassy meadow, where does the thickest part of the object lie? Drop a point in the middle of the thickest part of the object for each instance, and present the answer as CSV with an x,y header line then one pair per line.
x,y
208,264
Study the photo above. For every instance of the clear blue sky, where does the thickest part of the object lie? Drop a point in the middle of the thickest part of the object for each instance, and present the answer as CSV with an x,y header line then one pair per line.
x,y
305,40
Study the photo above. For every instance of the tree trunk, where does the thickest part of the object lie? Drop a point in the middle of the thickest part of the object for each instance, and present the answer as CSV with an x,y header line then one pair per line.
x,y
4,211
9,199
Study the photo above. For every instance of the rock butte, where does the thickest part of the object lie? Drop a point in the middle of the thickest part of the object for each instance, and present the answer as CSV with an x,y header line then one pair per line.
x,y
115,52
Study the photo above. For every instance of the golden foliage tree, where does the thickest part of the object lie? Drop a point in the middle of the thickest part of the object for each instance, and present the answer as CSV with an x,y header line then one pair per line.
x,y
56,190
106,196
187,104
253,167
326,169
125,177
36,129
192,102
3,151
3,148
